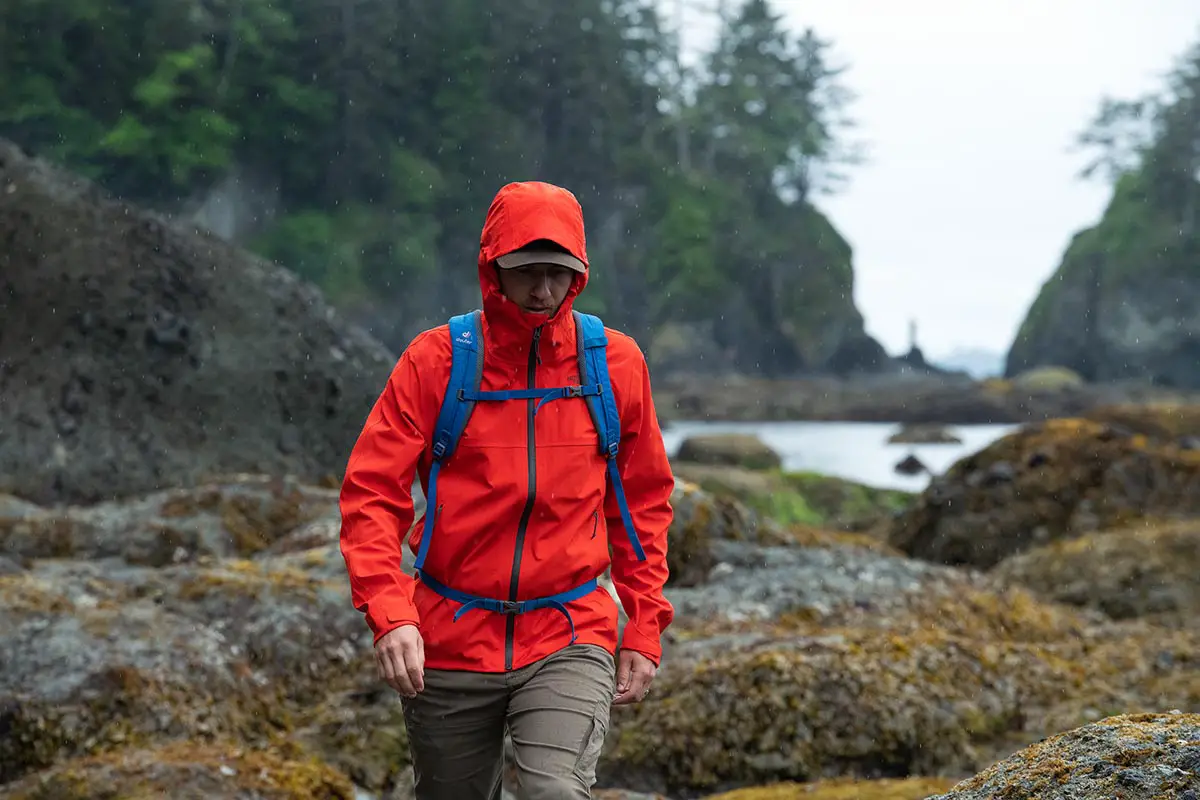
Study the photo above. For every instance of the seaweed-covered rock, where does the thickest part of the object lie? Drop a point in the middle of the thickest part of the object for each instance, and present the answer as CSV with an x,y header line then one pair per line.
x,y
136,354
188,770
923,434
729,449
865,703
240,515
101,654
1048,481
1144,570
1164,421
805,498
702,519
883,789
1133,757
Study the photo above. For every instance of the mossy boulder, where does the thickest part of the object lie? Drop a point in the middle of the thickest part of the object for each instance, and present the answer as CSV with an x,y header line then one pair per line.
x,y
1044,482
1047,379
238,515
702,518
188,770
104,655
883,789
1133,757
923,434
1165,421
854,702
805,498
1143,570
728,449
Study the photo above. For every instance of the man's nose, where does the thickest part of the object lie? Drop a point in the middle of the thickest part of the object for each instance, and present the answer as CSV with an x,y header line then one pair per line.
x,y
541,286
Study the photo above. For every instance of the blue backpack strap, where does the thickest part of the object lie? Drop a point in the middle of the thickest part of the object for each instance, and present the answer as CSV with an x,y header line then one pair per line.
x,y
593,368
466,371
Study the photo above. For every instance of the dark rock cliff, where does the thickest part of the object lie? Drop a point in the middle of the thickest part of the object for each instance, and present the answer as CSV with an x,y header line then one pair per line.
x,y
1125,302
135,354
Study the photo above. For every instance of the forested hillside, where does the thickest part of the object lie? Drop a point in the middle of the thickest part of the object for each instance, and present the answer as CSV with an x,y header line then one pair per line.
x,y
370,136
1125,301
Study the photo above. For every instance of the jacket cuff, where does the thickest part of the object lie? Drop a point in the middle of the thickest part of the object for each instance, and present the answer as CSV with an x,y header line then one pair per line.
x,y
633,639
384,615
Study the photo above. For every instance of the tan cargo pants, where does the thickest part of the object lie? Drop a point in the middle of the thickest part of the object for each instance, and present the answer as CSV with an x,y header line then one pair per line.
x,y
556,711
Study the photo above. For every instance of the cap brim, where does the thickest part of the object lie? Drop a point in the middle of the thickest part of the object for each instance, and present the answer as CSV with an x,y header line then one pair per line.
x,y
523,258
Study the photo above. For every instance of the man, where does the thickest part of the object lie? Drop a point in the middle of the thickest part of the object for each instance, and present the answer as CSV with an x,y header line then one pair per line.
x,y
523,510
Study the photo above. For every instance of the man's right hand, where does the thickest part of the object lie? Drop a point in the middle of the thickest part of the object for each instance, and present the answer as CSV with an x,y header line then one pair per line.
x,y
400,655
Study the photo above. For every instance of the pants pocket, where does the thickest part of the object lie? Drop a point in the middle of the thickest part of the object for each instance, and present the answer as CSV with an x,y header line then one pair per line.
x,y
593,744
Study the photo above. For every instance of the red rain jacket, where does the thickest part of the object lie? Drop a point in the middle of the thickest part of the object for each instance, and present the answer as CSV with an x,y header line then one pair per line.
x,y
484,487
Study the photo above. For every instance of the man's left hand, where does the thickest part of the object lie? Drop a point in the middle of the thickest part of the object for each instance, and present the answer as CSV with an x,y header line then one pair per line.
x,y
634,675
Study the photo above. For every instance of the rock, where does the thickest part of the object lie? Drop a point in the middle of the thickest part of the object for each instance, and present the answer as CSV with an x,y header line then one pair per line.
x,y
164,356
798,497
100,654
1144,570
883,789
800,663
239,515
768,584
701,519
1134,757
846,702
1047,379
188,769
1164,421
1121,304
729,449
1044,482
910,465
923,434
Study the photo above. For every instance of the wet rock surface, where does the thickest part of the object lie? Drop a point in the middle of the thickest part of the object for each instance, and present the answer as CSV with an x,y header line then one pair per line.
x,y
1045,482
137,355
798,654
1133,757
730,450
1144,570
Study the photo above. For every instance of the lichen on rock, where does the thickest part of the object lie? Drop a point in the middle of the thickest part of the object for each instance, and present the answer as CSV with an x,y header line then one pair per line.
x,y
1145,569
188,770
1133,757
1058,479
841,789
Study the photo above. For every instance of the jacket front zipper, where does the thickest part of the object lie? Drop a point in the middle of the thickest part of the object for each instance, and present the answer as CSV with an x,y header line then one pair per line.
x,y
531,496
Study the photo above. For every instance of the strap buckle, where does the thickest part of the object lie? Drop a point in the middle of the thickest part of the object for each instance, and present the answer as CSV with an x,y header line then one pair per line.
x,y
574,391
510,607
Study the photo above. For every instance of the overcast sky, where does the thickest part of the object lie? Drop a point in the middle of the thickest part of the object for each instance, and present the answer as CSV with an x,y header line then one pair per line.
x,y
969,108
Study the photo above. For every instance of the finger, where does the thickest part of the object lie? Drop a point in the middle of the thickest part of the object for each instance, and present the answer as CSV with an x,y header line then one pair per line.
x,y
414,669
639,685
386,671
400,674
623,674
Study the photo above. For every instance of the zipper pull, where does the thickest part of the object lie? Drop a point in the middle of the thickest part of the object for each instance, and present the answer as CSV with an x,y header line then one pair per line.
x,y
537,337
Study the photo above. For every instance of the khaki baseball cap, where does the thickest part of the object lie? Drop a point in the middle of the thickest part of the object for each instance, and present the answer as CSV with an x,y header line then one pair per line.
x,y
522,258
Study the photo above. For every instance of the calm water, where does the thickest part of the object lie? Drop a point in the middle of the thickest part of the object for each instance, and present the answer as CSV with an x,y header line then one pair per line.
x,y
858,451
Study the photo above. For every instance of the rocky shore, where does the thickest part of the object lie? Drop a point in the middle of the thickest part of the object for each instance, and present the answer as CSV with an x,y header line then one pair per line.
x,y
199,641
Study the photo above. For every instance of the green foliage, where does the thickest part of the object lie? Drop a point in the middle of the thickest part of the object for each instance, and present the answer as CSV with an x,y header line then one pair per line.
x,y
388,126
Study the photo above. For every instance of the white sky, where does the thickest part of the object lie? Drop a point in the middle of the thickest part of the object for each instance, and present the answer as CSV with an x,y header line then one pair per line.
x,y
969,108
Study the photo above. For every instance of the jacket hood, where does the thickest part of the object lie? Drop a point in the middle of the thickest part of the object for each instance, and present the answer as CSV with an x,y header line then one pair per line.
x,y
519,214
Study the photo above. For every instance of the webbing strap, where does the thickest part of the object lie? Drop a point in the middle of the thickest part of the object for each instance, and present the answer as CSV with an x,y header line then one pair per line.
x,y
593,366
543,395
472,602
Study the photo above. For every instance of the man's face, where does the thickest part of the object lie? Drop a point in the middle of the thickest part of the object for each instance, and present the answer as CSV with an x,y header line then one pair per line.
x,y
537,288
